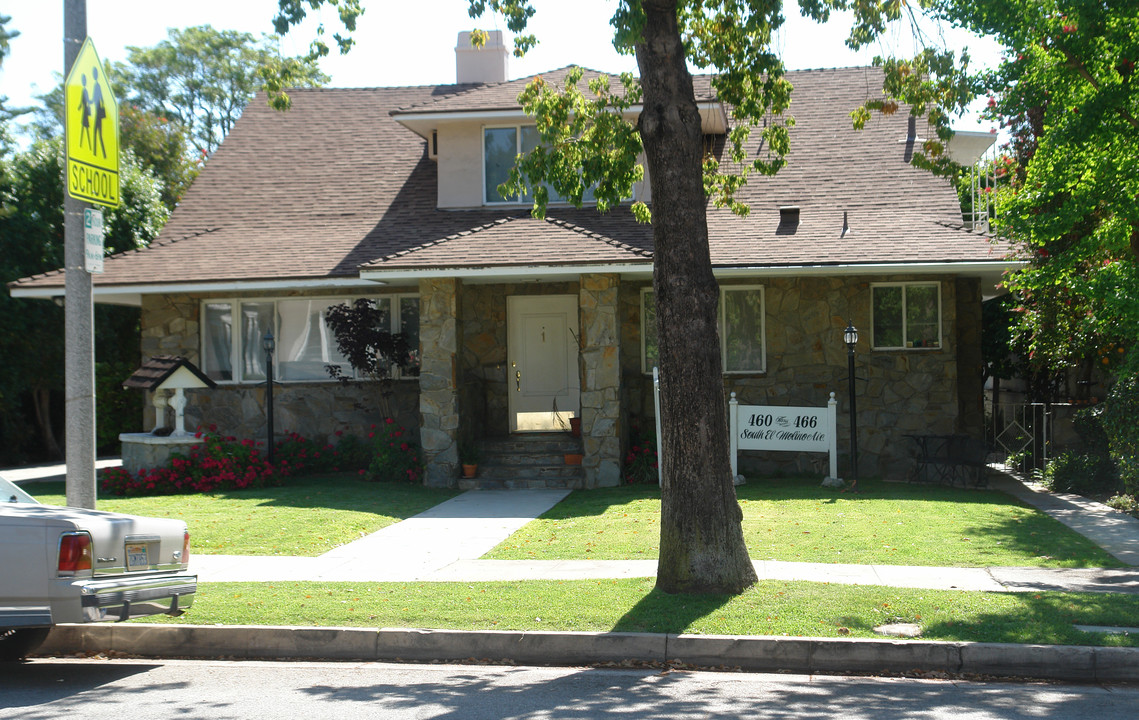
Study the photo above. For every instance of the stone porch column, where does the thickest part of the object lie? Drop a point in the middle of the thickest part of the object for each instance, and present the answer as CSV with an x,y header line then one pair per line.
x,y
438,391
600,380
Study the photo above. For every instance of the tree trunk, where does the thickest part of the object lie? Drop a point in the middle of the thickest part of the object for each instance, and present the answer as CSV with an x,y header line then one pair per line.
x,y
702,547
41,403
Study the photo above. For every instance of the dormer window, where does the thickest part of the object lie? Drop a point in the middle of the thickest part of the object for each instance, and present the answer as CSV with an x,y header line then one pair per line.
x,y
501,145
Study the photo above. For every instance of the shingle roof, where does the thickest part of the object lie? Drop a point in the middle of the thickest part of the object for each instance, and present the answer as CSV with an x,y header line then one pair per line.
x,y
158,370
337,183
515,241
504,96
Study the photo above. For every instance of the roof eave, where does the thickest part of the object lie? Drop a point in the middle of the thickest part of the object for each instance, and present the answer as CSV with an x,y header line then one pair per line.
x,y
131,294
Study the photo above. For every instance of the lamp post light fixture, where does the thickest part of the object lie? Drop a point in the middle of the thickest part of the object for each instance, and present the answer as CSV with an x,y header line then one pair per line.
x,y
269,344
850,337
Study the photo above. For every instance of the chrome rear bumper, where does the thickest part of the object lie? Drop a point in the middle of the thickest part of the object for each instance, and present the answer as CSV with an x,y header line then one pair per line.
x,y
124,598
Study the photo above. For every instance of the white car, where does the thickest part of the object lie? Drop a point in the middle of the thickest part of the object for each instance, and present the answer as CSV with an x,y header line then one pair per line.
x,y
70,565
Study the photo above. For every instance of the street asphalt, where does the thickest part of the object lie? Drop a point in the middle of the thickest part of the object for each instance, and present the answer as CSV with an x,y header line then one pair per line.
x,y
445,543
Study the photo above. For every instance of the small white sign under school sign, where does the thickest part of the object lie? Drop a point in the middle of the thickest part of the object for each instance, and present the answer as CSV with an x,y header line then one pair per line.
x,y
793,429
93,240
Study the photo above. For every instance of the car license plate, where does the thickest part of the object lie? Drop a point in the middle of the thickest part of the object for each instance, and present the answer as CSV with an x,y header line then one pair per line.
x,y
137,557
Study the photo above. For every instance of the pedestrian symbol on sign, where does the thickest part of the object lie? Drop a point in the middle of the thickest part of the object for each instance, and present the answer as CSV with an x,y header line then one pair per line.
x,y
92,125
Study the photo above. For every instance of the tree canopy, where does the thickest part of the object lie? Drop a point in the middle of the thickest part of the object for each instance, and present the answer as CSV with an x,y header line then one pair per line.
x,y
1067,94
202,78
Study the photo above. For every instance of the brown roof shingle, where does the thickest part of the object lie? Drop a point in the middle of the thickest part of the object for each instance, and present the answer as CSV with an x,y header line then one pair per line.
x,y
337,183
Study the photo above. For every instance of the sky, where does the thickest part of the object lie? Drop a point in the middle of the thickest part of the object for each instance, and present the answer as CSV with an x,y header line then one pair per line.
x,y
398,42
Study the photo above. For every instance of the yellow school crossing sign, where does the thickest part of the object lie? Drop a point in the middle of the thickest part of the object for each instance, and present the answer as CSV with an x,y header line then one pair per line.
x,y
92,131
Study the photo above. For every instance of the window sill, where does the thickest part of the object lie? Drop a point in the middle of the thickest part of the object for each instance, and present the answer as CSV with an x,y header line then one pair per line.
x,y
321,381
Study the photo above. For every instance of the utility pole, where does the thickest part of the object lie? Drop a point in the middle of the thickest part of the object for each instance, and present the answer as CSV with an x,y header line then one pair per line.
x,y
78,312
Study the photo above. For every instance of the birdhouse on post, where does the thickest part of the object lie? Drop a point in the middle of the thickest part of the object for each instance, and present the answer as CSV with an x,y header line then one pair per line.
x,y
163,373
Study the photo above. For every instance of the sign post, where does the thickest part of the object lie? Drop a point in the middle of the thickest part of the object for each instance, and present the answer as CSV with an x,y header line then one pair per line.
x,y
91,128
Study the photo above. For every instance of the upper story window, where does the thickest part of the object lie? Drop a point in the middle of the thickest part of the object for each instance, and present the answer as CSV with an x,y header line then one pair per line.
x,y
501,146
906,315
232,331
742,329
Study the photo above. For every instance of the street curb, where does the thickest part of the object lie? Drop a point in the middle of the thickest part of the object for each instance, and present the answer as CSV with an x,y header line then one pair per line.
x,y
1073,663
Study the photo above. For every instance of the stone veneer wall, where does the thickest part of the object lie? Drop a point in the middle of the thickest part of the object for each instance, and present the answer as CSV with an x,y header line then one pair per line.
x,y
601,380
170,326
439,339
899,392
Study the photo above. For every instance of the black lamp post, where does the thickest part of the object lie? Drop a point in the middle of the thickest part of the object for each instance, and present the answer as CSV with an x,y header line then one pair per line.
x,y
268,343
850,337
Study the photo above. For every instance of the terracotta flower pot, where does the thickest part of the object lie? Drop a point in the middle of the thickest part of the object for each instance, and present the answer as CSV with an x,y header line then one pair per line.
x,y
573,458
469,471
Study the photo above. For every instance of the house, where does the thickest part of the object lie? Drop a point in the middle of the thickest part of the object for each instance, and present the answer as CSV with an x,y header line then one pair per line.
x,y
390,194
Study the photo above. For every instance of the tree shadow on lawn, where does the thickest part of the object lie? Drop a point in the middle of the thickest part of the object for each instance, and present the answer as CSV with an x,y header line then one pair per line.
x,y
344,491
1012,525
1047,618
660,612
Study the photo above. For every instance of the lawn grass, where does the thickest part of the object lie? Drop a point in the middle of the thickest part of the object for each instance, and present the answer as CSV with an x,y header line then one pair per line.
x,y
633,605
306,517
797,520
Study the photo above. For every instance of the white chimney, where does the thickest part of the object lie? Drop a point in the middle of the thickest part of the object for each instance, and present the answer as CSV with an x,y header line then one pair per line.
x,y
481,65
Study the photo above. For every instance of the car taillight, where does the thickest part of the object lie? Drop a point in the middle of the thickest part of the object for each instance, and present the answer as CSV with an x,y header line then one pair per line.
x,y
186,549
75,552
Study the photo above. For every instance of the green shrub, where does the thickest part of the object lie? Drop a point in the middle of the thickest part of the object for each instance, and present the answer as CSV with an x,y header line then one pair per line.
x,y
1078,473
118,409
1121,424
394,457
1088,424
1125,503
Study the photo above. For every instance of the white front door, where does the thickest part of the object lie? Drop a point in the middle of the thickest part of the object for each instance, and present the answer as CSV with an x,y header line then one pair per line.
x,y
542,349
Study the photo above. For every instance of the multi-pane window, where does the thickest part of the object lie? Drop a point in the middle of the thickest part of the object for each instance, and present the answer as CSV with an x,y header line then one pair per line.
x,y
501,146
305,345
906,315
743,346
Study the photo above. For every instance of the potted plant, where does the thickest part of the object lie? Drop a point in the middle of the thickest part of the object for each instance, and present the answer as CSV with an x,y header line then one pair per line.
x,y
469,459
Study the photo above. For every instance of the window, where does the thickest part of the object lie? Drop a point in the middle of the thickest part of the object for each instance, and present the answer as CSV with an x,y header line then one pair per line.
x,y
742,329
906,315
232,351
501,146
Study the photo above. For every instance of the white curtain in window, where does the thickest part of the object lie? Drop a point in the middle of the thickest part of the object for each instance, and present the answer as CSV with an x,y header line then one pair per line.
x,y
217,358
256,320
307,345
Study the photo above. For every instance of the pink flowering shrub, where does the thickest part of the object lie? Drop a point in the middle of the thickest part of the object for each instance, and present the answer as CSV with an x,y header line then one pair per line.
x,y
394,457
641,461
225,463
216,463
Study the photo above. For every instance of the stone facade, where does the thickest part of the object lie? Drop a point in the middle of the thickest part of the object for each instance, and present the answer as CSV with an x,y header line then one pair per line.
x,y
439,339
600,380
170,326
462,391
899,391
